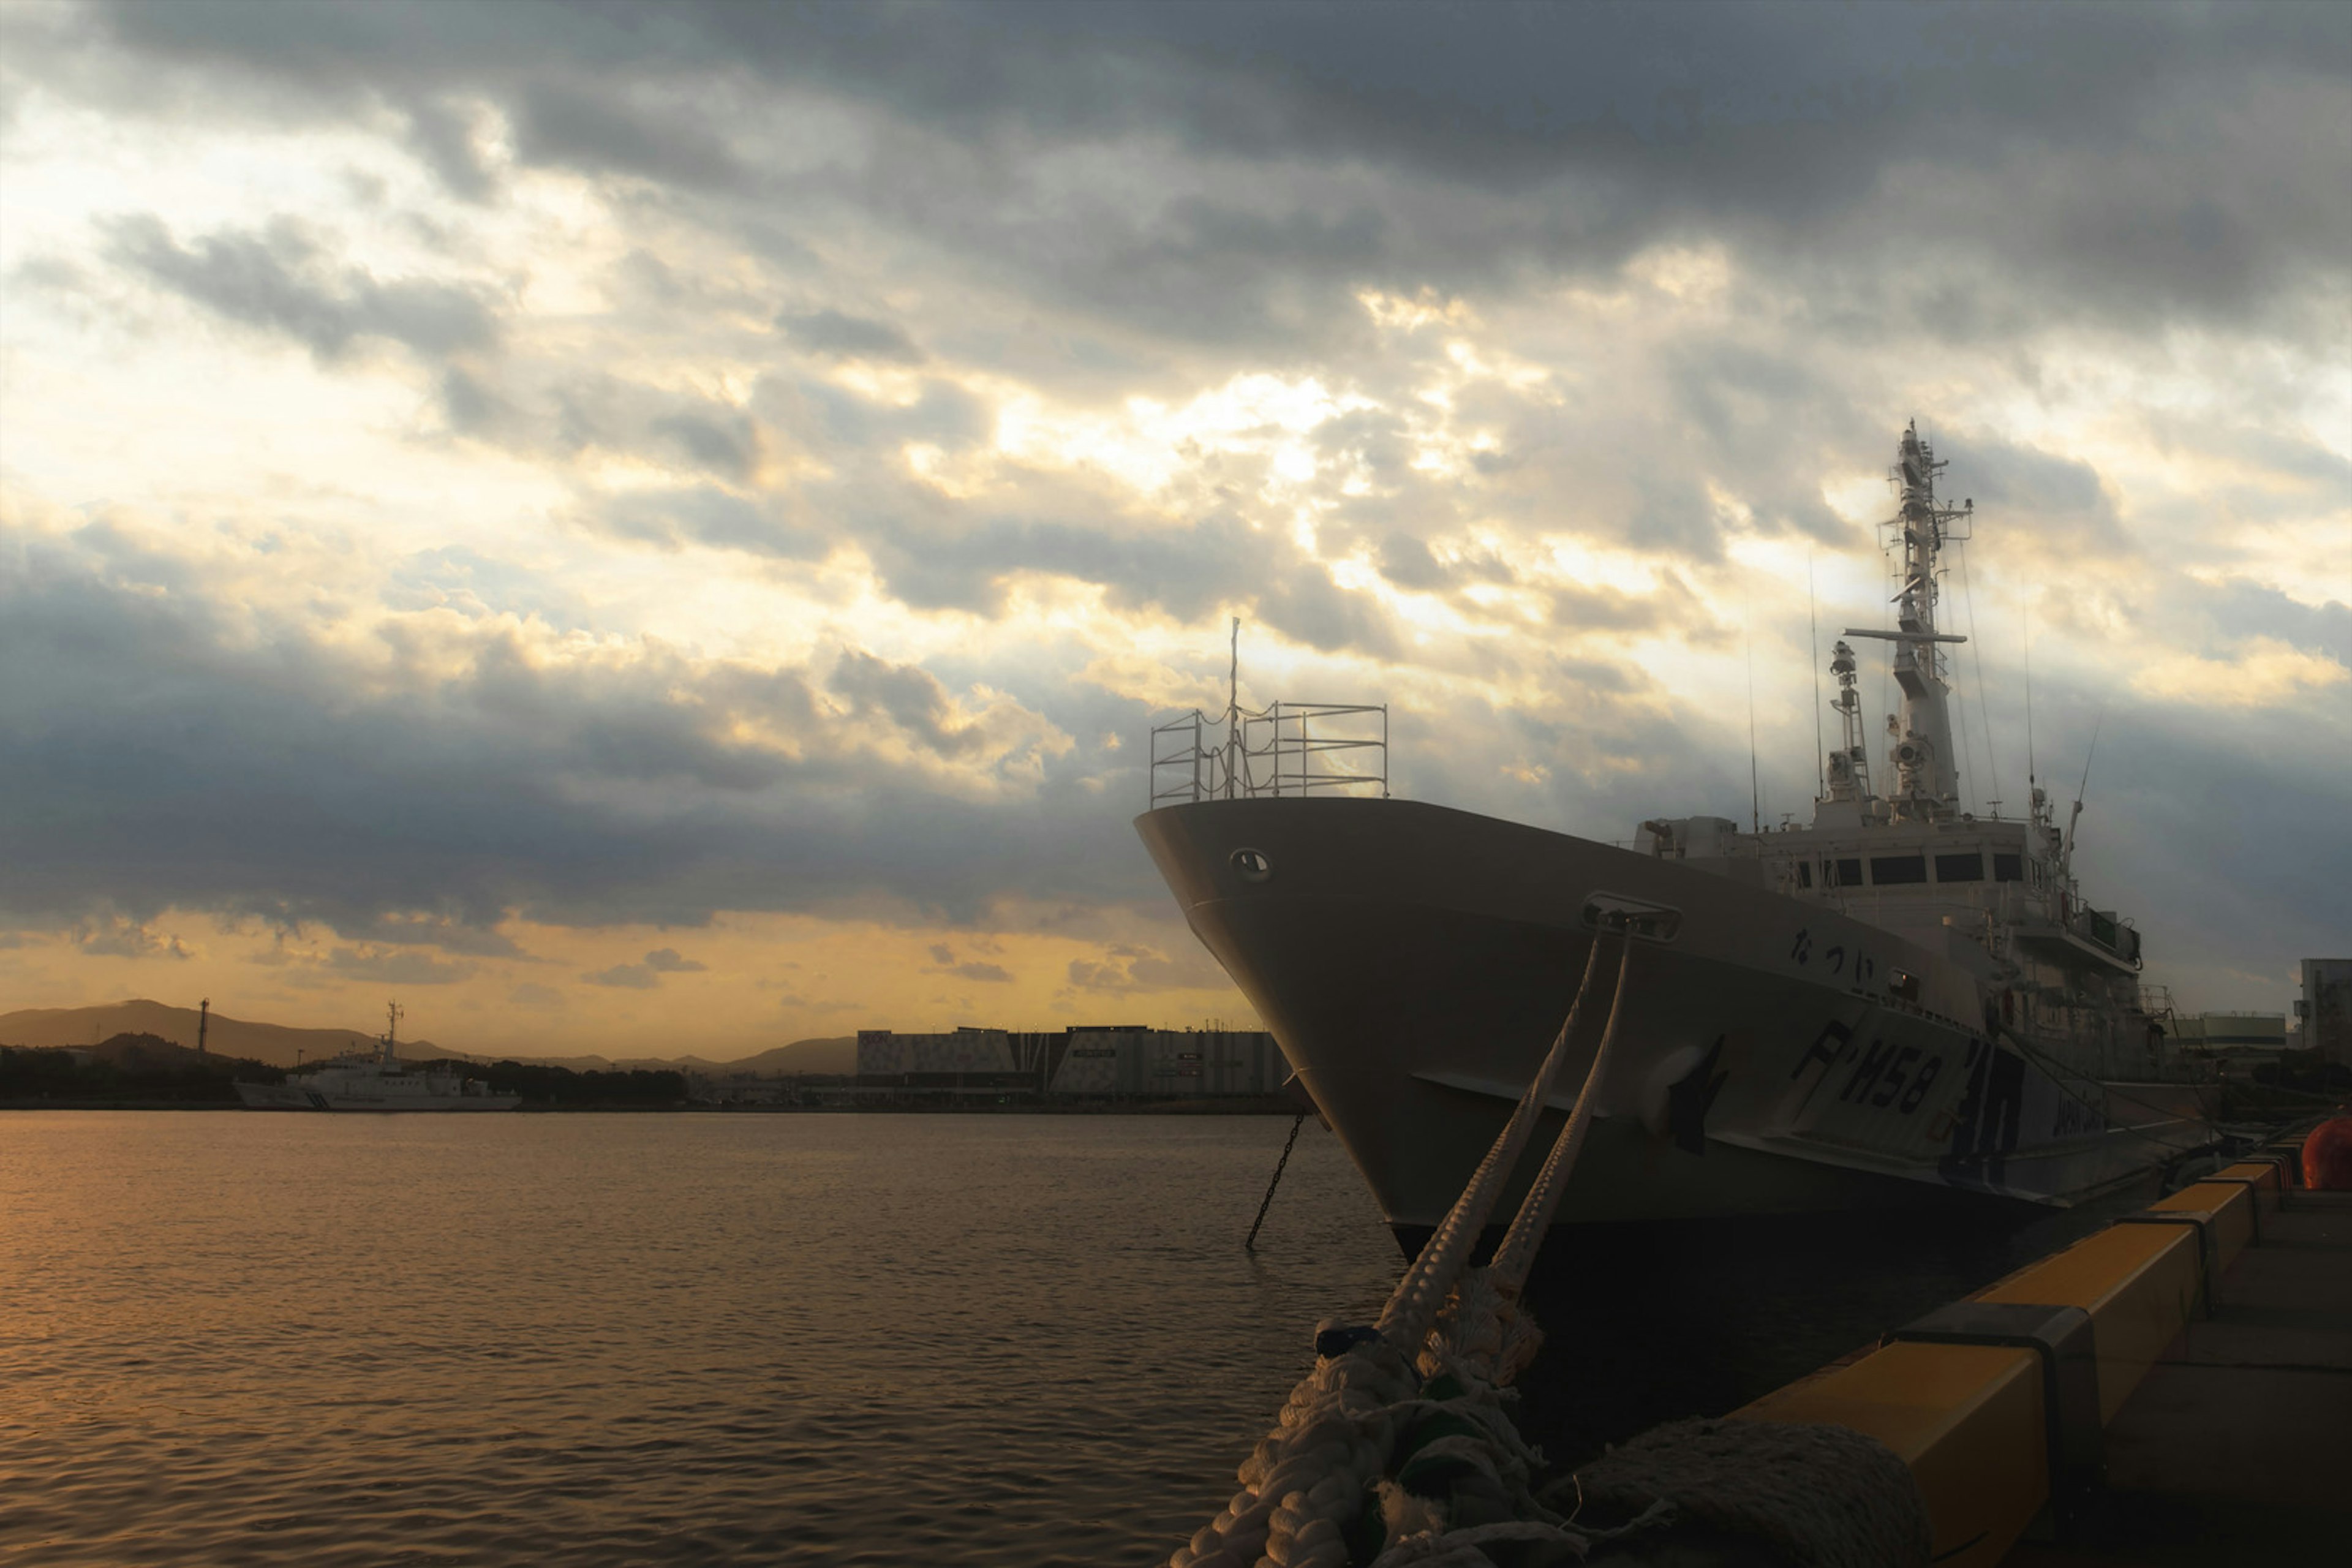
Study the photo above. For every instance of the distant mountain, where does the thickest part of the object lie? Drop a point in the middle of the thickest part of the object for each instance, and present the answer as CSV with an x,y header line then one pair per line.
x,y
148,1054
278,1044
836,1053
273,1043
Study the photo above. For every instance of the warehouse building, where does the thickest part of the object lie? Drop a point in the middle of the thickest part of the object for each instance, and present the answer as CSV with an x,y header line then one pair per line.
x,y
1086,1061
2243,1039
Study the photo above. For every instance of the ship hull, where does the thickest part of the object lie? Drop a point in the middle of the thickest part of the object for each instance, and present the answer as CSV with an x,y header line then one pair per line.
x,y
1775,1055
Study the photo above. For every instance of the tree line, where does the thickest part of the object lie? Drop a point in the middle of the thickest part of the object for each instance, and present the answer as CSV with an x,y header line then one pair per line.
x,y
137,1068
145,1069
542,1085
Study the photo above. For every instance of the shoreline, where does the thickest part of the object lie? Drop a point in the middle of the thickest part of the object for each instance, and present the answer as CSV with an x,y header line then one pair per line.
x,y
1235,1106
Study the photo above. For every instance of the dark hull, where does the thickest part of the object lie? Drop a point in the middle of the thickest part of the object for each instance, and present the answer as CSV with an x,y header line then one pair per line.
x,y
1414,962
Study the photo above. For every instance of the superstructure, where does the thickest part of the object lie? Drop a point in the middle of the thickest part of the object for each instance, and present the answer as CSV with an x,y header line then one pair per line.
x,y
1901,1001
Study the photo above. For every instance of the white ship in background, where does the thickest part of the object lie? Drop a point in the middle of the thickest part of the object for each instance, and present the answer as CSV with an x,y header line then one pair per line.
x,y
376,1080
1900,1001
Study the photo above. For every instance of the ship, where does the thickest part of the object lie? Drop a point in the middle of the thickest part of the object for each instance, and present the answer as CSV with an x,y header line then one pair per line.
x,y
376,1081
1900,1002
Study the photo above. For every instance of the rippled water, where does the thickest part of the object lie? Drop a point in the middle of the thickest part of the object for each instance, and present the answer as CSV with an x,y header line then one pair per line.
x,y
990,1340
830,1340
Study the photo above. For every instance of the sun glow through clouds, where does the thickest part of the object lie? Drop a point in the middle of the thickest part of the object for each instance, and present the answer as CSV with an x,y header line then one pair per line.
x,y
716,493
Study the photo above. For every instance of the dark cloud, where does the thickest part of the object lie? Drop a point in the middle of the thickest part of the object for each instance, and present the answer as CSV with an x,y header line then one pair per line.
x,y
163,756
848,426
600,129
934,552
2233,610
729,447
1110,203
1125,971
706,514
2183,832
444,136
120,938
472,405
830,332
277,281
1605,609
2120,161
665,961
2037,504
624,976
1307,604
909,696
1406,561
447,932
397,968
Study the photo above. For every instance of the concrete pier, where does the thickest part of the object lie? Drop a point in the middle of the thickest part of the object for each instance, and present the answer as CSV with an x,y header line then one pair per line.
x,y
2174,1389
2236,1447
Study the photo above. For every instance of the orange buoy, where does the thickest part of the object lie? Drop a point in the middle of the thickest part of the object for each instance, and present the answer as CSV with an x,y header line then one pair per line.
x,y
2327,1156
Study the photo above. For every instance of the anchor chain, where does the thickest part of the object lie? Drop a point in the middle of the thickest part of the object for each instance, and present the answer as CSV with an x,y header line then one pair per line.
x,y
1249,1245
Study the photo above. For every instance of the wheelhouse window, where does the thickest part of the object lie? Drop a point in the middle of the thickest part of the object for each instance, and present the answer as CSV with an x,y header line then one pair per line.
x,y
1969,868
1843,873
1887,870
2008,868
1805,873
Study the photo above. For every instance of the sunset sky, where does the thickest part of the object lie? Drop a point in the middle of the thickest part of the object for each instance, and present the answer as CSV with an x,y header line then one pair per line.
x,y
662,530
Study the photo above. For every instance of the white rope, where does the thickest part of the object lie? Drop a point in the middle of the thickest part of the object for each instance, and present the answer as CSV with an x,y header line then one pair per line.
x,y
1324,1473
1412,1306
1308,1481
1516,1254
1415,1463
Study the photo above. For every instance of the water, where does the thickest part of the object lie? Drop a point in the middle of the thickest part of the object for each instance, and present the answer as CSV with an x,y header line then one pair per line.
x,y
830,1340
663,1338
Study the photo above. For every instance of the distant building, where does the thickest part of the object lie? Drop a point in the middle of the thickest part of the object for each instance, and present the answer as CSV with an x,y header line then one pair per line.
x,y
2242,1038
1092,1061
737,1089
2324,1011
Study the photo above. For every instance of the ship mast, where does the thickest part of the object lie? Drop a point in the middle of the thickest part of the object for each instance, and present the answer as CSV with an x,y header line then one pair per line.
x,y
391,1027
1927,782
1848,773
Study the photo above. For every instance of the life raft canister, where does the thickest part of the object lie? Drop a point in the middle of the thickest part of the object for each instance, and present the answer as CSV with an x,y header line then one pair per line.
x,y
2327,1156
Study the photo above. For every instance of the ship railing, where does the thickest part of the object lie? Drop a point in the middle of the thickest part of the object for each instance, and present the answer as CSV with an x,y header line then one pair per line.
x,y
2105,928
1290,749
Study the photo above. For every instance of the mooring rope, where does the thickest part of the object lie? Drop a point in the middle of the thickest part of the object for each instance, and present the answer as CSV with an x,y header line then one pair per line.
x,y
1483,1337
1398,1413
1517,1254
1412,1308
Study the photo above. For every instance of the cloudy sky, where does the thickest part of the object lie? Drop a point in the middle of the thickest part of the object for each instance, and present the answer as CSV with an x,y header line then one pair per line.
x,y
664,529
